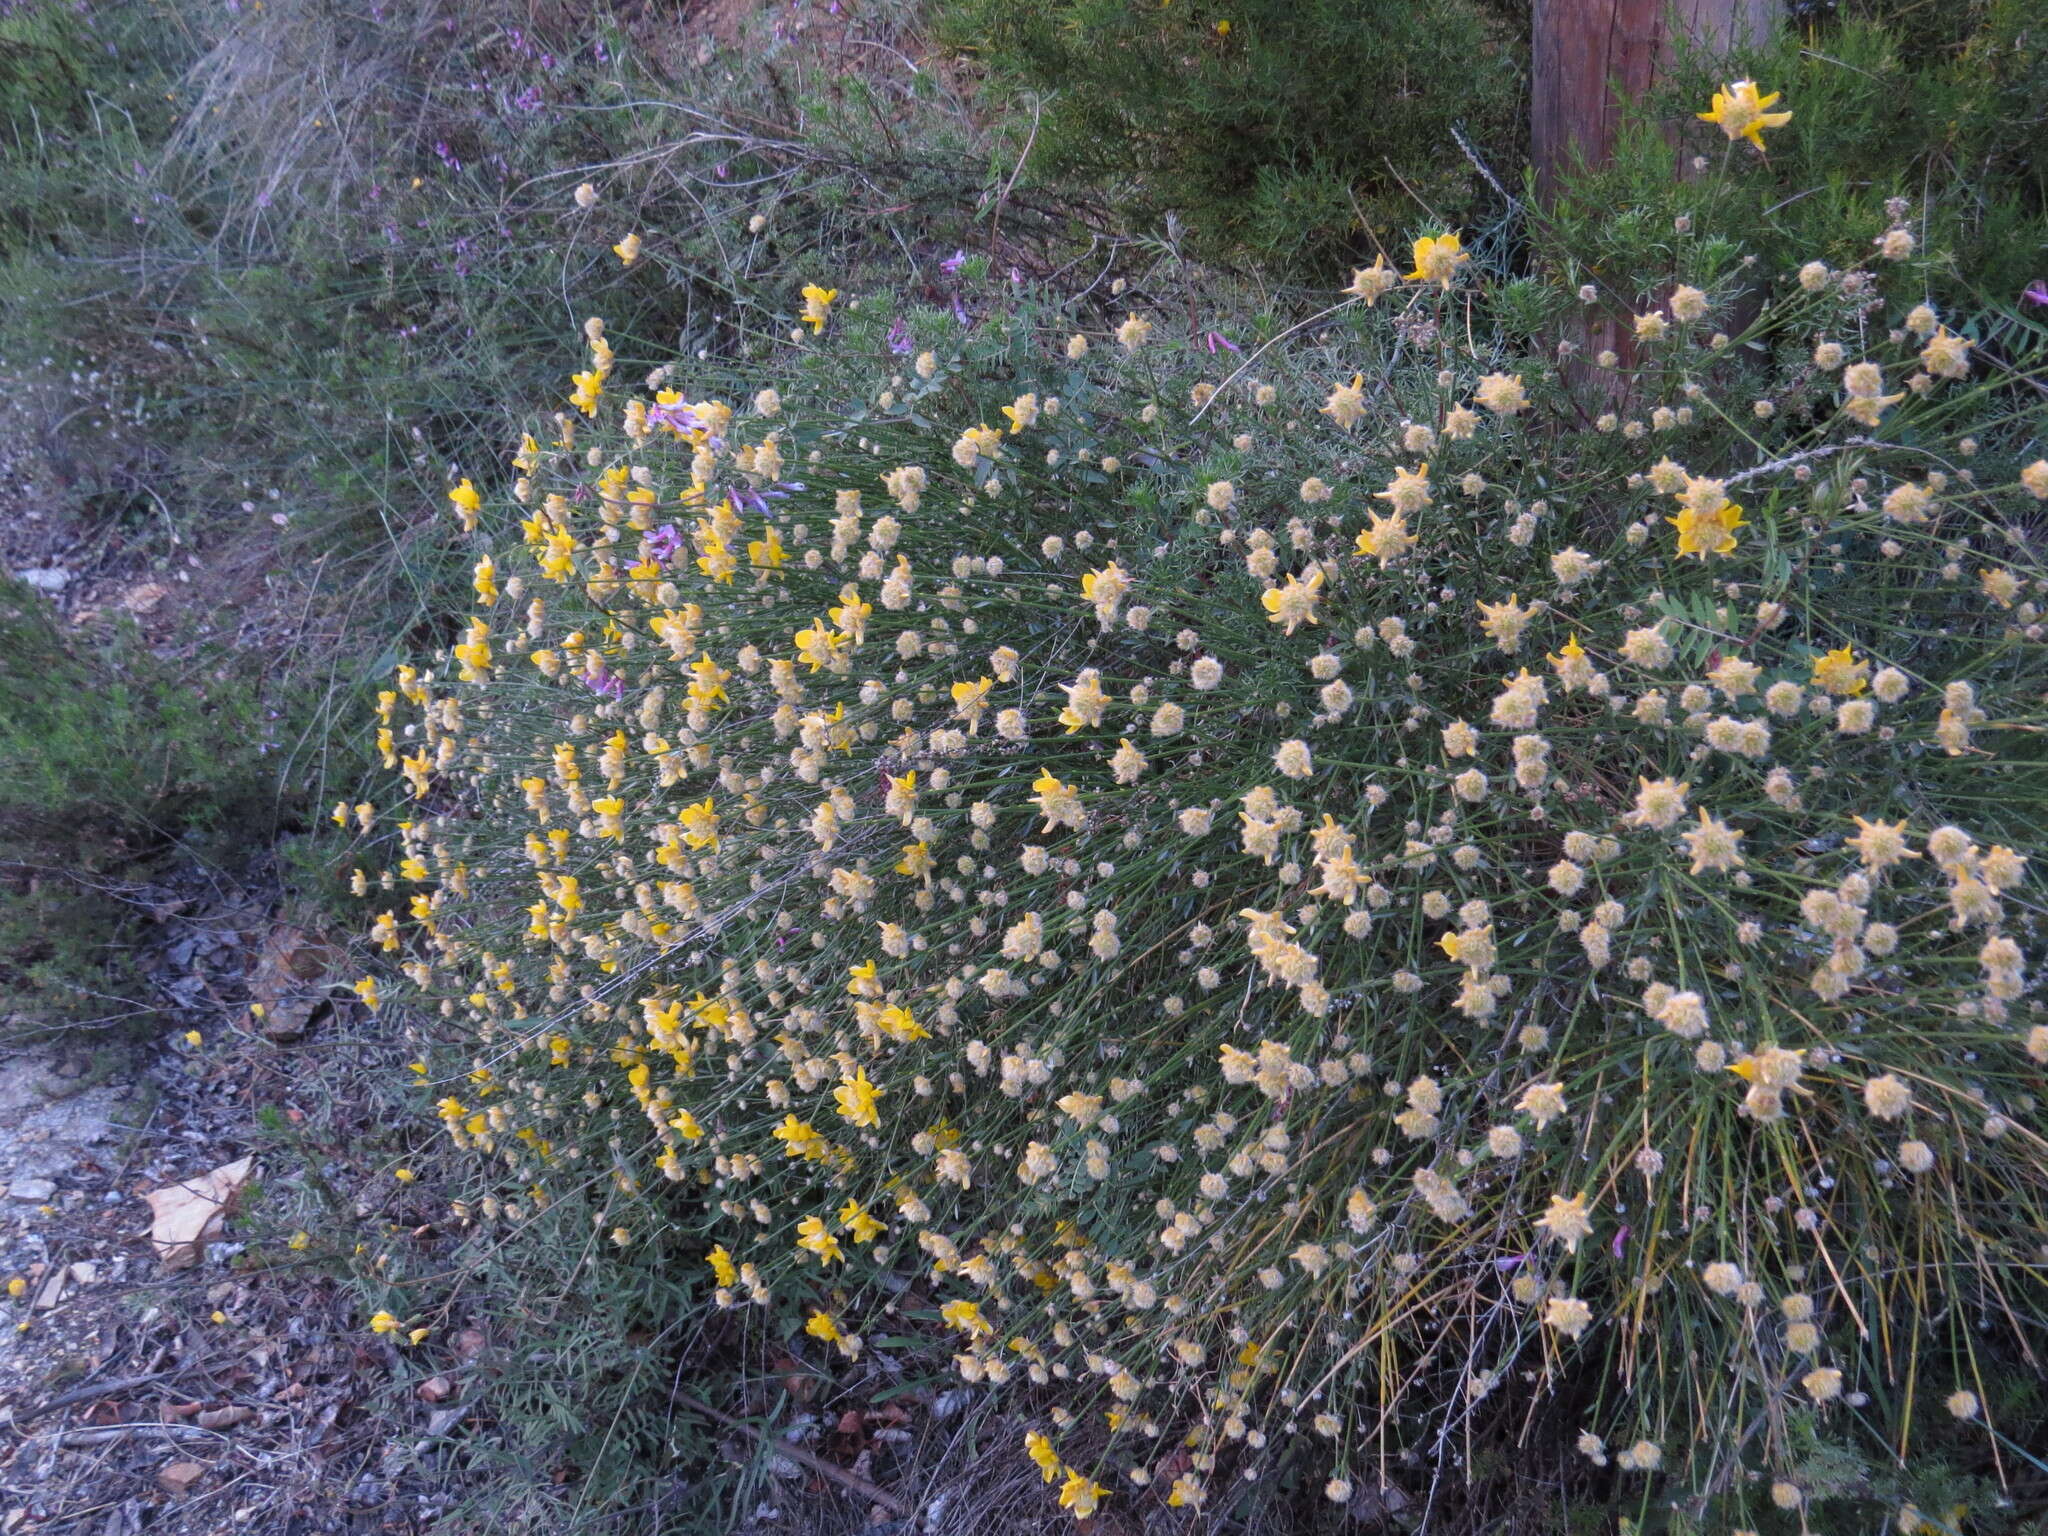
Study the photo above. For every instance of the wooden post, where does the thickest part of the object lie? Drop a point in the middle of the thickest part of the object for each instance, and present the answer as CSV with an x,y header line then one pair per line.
x,y
1589,57
1587,60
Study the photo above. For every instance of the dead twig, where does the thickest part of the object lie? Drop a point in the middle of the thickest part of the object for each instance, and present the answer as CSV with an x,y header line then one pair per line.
x,y
849,1480
90,1392
73,1439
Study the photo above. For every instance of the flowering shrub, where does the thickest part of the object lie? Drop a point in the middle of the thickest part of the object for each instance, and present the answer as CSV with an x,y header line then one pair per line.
x,y
1402,889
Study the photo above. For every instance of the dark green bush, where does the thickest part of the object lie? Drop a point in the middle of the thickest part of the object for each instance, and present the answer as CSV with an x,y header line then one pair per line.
x,y
1291,131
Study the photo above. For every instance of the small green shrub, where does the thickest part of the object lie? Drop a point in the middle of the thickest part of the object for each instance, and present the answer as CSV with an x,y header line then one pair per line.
x,y
106,756
45,64
1292,131
1059,857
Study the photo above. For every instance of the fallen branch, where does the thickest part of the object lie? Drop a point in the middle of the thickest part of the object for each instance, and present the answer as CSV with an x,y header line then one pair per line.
x,y
796,1453
72,1439
89,1392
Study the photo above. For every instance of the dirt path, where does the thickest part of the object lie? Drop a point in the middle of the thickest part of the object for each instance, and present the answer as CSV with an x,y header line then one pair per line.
x,y
237,1393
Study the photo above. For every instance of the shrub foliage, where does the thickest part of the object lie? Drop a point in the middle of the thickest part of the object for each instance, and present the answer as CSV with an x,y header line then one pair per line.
x,y
1402,890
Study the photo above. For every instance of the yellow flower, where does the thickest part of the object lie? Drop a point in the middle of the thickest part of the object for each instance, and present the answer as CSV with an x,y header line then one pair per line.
x,y
1081,1494
628,250
485,580
1040,1450
799,1138
766,553
1840,673
813,1237
820,646
1346,405
699,824
384,1322
1437,259
977,443
856,1098
1740,113
1295,603
1452,943
856,1219
970,700
817,306
850,614
707,683
895,1022
1408,491
1369,283
467,503
966,1316
722,1267
1387,539
1059,804
1710,533
1023,414
821,1326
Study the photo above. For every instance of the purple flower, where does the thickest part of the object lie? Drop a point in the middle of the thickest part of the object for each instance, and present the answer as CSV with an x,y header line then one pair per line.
x,y
681,416
1620,1242
1217,339
2037,292
953,263
664,544
1508,1265
607,685
960,311
900,339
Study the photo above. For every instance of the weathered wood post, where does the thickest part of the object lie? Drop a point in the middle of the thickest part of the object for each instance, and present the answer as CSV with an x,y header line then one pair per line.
x,y
1589,57
1587,60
